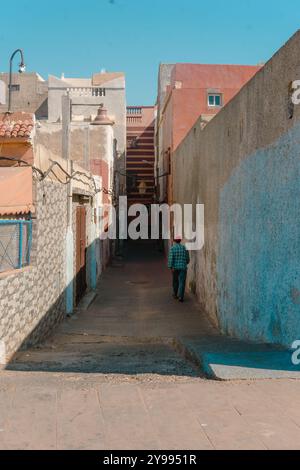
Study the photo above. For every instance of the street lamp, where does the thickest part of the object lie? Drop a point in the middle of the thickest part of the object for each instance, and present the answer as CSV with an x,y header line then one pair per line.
x,y
22,68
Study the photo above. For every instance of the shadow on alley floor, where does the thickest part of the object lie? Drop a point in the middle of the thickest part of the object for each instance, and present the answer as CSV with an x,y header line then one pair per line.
x,y
134,325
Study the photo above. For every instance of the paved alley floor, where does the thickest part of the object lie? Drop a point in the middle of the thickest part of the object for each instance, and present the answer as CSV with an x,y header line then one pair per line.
x,y
63,411
117,377
133,326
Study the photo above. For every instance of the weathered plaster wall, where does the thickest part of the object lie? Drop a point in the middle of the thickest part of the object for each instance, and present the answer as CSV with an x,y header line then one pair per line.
x,y
244,167
98,157
91,147
258,262
164,80
102,153
32,97
86,106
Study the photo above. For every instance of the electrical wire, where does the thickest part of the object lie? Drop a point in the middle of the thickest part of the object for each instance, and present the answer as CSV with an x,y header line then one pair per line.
x,y
69,176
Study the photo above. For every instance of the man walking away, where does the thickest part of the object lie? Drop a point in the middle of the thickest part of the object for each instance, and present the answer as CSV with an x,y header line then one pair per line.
x,y
179,259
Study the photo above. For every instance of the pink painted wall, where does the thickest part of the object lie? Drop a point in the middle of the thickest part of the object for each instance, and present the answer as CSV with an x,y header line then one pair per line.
x,y
187,95
190,84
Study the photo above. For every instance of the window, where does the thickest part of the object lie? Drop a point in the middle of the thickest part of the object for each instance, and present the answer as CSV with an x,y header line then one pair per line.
x,y
98,92
15,243
214,99
14,87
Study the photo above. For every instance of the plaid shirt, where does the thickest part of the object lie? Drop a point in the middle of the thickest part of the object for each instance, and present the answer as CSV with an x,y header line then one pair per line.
x,y
179,257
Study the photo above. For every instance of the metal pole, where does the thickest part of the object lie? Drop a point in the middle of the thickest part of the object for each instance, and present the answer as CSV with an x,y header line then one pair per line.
x,y
157,191
20,245
29,228
66,119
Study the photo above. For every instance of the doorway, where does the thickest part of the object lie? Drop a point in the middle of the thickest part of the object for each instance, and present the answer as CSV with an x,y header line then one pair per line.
x,y
81,284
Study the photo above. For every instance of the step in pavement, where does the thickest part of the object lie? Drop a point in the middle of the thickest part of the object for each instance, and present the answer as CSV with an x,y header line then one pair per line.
x,y
223,358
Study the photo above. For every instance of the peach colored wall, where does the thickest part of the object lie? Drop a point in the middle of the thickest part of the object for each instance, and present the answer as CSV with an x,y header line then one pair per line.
x,y
145,119
22,150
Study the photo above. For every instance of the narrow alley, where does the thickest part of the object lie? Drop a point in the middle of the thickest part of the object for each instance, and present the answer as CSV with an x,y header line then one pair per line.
x,y
132,385
137,331
149,229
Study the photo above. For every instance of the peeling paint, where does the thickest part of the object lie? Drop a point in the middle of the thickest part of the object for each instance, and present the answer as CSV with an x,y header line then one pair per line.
x,y
258,263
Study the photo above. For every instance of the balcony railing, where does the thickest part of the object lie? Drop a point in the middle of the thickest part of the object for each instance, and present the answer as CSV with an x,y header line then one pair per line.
x,y
134,119
86,91
134,110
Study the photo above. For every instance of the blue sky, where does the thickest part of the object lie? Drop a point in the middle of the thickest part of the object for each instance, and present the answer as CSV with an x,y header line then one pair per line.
x,y
134,36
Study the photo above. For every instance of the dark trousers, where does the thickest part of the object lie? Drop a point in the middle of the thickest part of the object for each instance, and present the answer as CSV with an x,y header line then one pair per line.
x,y
179,280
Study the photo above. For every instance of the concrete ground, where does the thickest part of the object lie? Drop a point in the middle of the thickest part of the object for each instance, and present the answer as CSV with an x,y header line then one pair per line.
x,y
127,374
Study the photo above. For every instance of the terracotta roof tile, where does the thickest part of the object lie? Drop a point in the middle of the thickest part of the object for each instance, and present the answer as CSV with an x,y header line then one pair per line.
x,y
16,125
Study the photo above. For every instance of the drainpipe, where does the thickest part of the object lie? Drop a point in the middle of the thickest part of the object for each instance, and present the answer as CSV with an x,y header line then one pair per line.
x,y
66,119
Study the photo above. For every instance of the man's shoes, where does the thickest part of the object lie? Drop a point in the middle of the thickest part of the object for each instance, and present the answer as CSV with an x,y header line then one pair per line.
x,y
181,300
175,296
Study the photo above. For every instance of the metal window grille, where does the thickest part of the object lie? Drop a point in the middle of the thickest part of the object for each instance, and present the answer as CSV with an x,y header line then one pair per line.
x,y
15,244
14,87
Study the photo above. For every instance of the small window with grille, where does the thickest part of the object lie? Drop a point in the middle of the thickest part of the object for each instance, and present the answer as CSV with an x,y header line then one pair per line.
x,y
14,87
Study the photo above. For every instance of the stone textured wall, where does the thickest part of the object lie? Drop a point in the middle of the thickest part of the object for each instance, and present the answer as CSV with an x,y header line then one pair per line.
x,y
245,167
32,300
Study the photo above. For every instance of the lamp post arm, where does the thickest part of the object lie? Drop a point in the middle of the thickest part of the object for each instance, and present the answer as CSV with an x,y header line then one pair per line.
x,y
10,74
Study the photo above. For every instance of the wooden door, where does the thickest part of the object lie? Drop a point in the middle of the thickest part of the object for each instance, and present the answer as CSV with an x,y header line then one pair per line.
x,y
80,252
